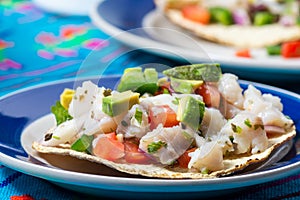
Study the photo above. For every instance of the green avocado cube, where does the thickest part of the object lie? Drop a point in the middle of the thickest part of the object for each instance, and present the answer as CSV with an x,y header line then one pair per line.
x,y
210,72
131,79
83,143
263,18
118,103
221,15
151,75
190,112
136,80
274,50
185,86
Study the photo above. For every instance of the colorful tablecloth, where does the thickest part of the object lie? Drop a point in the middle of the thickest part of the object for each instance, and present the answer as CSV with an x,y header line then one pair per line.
x,y
38,47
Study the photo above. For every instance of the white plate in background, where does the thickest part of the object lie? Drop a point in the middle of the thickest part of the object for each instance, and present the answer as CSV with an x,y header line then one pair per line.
x,y
137,24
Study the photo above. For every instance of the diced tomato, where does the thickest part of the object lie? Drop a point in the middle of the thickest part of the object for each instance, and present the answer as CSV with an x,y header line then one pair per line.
x,y
111,135
109,148
184,159
211,95
162,114
290,49
196,14
245,53
134,155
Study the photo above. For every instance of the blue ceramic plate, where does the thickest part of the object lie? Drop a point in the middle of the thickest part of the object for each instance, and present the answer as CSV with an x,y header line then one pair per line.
x,y
139,25
25,113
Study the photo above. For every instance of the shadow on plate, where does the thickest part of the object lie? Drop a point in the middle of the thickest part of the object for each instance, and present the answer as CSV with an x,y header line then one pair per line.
x,y
77,165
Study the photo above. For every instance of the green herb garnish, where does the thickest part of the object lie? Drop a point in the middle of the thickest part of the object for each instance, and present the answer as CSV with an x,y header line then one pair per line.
x,y
176,101
236,129
61,114
138,115
165,91
155,146
205,171
231,138
55,137
247,122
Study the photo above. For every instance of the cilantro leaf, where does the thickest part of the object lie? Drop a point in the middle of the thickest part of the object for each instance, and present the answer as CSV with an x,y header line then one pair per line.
x,y
236,129
155,146
61,114
138,115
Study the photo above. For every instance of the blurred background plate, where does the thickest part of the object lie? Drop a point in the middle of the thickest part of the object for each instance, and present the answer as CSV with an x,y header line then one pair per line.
x,y
138,24
66,7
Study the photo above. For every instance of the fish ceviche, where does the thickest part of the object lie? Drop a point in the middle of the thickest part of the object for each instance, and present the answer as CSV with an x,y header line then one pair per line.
x,y
193,122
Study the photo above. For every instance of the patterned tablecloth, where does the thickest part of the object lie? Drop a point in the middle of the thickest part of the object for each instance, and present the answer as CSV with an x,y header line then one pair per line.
x,y
38,47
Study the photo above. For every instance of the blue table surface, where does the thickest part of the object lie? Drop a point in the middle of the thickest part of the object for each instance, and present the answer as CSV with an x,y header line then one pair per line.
x,y
38,47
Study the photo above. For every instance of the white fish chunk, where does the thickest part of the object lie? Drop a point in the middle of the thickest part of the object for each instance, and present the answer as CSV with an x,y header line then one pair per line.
x,y
61,134
130,127
266,106
247,131
172,143
212,122
231,90
207,157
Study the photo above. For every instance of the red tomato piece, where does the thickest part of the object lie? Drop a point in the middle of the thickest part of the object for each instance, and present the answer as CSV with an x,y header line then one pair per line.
x,y
134,155
211,95
196,14
162,114
109,148
245,53
290,49
184,159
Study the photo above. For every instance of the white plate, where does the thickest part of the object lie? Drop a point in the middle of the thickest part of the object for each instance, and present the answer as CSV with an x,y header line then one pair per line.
x,y
66,7
21,125
139,25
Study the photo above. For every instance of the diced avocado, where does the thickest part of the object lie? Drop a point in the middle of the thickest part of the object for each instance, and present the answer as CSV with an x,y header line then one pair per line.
x,y
263,18
221,15
83,143
185,86
131,79
147,88
274,50
190,112
66,97
118,103
210,72
151,75
138,81
150,85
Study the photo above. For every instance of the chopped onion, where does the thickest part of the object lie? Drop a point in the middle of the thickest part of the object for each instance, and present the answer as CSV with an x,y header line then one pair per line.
x,y
241,17
287,20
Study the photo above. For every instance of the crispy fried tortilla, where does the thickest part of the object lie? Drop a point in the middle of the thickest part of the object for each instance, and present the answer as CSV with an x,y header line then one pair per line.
x,y
233,35
232,164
